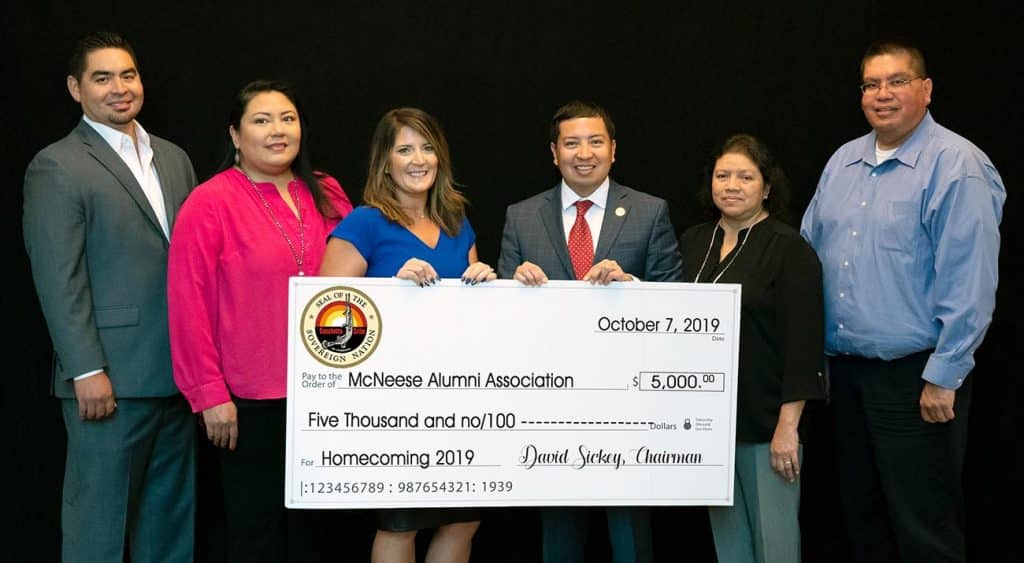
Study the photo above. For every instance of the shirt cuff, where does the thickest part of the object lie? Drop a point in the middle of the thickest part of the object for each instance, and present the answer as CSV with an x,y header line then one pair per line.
x,y
946,373
88,374
208,395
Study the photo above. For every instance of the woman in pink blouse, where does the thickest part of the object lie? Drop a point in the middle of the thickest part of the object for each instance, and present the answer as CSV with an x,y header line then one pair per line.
x,y
238,238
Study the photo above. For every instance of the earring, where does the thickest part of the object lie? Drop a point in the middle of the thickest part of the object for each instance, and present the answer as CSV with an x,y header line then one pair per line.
x,y
237,158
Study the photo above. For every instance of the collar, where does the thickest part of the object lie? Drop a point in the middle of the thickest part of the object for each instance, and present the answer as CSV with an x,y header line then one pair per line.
x,y
599,197
907,153
115,138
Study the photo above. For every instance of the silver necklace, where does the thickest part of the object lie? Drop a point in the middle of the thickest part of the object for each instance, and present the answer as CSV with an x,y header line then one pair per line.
x,y
300,256
736,255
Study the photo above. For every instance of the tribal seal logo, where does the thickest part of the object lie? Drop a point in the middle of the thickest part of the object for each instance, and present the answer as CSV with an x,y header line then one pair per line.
x,y
341,327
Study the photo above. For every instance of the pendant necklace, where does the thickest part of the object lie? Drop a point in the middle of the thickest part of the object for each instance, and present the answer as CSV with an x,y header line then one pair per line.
x,y
300,256
735,255
418,214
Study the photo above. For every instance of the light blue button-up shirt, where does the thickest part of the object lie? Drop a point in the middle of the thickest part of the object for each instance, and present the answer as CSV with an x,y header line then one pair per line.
x,y
909,249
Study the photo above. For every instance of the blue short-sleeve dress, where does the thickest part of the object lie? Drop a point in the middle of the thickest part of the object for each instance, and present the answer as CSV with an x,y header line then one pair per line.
x,y
386,245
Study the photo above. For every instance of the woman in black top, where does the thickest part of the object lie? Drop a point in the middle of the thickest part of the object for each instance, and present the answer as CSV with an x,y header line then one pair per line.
x,y
781,344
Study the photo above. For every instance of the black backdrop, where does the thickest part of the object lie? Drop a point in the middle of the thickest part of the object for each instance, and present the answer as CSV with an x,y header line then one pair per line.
x,y
676,78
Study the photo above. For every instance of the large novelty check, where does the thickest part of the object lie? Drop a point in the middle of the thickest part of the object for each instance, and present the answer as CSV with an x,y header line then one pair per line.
x,y
503,395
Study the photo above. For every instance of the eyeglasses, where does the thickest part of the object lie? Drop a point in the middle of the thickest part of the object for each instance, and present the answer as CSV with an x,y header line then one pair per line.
x,y
893,84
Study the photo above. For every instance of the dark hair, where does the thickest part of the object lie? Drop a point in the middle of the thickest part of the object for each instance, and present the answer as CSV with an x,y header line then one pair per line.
x,y
94,41
576,109
895,47
750,146
302,166
446,206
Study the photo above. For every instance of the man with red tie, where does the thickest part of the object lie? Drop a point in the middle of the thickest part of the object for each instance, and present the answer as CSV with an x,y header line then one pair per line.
x,y
589,227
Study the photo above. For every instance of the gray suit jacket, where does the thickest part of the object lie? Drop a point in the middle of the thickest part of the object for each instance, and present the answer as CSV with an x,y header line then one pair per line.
x,y
641,240
99,261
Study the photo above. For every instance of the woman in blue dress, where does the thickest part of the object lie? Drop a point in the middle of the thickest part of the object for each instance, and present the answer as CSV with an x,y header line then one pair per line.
x,y
412,225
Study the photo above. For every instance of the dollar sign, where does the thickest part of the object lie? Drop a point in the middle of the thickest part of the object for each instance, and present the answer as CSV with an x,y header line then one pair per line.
x,y
636,381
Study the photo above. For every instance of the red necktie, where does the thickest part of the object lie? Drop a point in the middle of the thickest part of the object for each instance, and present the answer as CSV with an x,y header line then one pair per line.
x,y
581,245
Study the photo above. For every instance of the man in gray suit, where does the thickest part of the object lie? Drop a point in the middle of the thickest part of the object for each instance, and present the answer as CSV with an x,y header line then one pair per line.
x,y
551,236
99,206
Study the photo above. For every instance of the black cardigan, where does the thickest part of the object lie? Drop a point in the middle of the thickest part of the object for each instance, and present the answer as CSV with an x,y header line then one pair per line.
x,y
782,353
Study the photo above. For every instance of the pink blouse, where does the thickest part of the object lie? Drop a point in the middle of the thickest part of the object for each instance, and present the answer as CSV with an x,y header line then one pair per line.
x,y
227,284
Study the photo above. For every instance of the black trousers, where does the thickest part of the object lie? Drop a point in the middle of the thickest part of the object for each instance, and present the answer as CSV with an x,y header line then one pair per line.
x,y
258,527
900,478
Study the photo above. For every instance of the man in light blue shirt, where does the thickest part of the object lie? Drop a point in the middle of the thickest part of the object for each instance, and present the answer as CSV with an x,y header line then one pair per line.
x,y
906,222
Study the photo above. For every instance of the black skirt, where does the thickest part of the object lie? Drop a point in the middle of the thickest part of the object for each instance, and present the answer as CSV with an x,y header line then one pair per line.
x,y
406,519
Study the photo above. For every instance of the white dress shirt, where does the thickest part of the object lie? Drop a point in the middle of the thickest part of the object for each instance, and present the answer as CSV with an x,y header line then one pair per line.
x,y
594,215
140,162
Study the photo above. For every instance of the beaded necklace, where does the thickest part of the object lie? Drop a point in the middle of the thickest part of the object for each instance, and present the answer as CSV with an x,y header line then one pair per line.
x,y
750,227
300,256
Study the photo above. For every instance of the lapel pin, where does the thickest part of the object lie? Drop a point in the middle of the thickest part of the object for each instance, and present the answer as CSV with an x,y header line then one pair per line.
x,y
620,211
